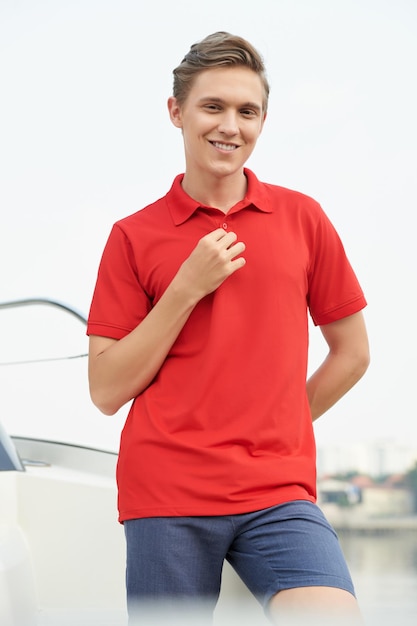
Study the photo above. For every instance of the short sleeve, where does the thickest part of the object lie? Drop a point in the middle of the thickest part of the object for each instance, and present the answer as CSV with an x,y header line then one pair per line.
x,y
119,301
334,291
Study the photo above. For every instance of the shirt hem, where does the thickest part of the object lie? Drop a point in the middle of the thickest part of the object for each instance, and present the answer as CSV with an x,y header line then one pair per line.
x,y
208,510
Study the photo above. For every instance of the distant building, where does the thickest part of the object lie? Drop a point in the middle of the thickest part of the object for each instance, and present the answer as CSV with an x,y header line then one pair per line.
x,y
378,458
340,492
360,498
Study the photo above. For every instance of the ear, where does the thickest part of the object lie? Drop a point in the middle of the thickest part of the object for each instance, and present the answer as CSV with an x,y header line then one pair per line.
x,y
174,110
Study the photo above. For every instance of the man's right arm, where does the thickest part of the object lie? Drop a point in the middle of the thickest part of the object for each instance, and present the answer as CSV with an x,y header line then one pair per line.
x,y
119,370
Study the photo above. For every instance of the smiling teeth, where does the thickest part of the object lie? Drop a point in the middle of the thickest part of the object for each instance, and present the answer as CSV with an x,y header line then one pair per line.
x,y
224,146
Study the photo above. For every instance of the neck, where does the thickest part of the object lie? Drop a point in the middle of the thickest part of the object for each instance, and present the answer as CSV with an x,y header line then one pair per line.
x,y
219,192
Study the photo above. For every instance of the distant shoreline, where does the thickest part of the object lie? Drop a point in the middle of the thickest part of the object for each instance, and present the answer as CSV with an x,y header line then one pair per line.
x,y
381,526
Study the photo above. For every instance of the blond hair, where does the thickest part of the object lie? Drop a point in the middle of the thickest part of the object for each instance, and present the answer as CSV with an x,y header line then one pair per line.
x,y
217,50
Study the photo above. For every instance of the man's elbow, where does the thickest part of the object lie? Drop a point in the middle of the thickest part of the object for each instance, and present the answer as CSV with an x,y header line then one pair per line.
x,y
103,402
362,360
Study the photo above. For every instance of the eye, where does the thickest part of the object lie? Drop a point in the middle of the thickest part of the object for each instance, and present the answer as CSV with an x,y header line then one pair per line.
x,y
212,108
249,113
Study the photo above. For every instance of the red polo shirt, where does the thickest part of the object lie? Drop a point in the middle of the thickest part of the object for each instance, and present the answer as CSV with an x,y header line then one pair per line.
x,y
225,426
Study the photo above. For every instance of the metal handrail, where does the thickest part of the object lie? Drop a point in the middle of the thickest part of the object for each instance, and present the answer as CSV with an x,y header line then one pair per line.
x,y
47,301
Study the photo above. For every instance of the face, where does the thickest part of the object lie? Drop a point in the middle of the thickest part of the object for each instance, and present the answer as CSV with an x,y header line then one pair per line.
x,y
221,120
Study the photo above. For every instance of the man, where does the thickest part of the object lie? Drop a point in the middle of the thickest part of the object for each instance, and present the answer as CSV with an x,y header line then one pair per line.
x,y
200,317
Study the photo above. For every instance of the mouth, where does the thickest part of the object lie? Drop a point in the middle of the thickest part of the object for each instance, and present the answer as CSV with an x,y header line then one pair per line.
x,y
228,147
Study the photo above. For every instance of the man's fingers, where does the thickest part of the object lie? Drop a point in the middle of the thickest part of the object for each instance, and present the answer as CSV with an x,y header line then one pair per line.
x,y
229,244
236,249
223,237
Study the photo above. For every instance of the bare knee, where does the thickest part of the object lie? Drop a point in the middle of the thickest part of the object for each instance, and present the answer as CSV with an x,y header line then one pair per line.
x,y
315,605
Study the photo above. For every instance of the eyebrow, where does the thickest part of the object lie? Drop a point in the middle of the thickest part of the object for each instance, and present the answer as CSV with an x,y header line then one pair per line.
x,y
248,105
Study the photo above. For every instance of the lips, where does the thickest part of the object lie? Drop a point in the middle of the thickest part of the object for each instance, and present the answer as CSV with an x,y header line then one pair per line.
x,y
229,147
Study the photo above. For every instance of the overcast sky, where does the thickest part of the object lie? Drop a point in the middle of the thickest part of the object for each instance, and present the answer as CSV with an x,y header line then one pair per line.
x,y
85,139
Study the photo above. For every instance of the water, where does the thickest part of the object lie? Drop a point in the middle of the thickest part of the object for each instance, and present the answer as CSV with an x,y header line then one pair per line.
x,y
384,569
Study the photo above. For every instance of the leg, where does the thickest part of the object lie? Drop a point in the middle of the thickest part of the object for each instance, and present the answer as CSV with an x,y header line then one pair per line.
x,y
315,605
290,558
174,568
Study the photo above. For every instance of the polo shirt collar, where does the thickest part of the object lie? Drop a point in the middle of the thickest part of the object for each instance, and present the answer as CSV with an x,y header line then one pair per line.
x,y
182,206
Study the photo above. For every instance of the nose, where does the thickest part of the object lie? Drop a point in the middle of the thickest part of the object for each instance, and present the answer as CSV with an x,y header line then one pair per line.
x,y
228,124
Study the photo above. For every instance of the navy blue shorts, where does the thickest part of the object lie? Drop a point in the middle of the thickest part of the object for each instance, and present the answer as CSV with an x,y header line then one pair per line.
x,y
283,547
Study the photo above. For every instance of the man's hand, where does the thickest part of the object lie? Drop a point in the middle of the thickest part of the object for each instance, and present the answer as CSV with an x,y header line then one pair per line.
x,y
215,258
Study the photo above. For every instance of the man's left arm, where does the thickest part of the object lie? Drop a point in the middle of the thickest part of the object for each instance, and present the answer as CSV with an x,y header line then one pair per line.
x,y
345,364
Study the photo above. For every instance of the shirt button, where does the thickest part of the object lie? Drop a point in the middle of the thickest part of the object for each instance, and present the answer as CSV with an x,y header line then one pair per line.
x,y
224,225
